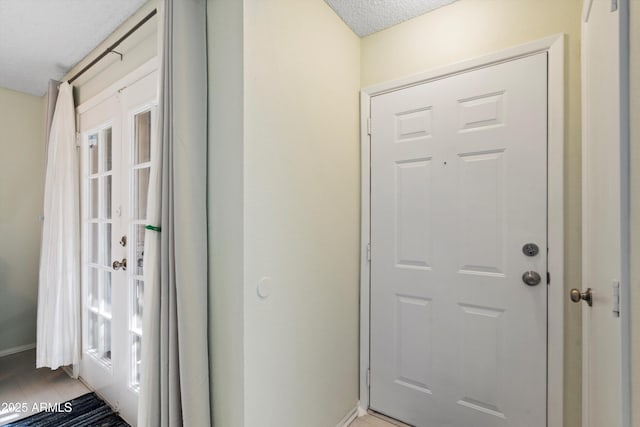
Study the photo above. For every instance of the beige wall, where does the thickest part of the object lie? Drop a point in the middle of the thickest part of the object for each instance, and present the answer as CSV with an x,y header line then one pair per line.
x,y
472,28
21,195
301,195
635,209
226,211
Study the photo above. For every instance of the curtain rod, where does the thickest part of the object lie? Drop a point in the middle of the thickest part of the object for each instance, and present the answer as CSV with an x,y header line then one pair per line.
x,y
113,46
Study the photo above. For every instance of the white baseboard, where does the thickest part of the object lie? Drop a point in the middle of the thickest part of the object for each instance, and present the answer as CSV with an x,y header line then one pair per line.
x,y
18,349
72,371
351,415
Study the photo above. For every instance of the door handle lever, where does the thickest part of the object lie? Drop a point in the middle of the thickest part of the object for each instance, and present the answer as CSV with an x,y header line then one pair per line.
x,y
117,265
577,296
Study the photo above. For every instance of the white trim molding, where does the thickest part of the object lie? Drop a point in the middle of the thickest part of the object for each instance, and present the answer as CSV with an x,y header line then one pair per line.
x,y
554,47
139,73
351,415
625,209
19,349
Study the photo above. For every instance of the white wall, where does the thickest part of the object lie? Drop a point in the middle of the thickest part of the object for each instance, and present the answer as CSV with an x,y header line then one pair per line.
x,y
301,195
470,28
21,196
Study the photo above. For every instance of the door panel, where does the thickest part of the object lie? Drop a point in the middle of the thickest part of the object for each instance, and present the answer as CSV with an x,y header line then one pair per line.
x,y
413,190
116,141
481,213
99,281
458,186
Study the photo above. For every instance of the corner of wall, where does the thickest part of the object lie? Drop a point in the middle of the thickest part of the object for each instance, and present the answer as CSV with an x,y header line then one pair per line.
x,y
225,22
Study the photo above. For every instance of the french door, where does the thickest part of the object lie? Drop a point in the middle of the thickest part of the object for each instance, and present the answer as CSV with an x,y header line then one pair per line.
x,y
116,138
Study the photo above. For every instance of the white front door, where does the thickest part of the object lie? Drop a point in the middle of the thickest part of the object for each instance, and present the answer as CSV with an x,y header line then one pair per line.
x,y
116,142
601,215
458,208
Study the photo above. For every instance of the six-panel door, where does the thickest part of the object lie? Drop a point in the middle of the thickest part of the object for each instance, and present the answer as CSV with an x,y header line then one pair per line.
x,y
458,187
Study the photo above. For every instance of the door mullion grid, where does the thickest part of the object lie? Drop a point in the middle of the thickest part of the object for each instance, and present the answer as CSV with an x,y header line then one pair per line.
x,y
100,264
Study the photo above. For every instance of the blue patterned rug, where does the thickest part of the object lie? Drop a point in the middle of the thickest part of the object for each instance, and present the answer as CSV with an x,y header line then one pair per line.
x,y
85,411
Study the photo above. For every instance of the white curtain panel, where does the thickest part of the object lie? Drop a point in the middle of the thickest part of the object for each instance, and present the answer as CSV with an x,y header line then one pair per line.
x,y
58,337
51,99
175,357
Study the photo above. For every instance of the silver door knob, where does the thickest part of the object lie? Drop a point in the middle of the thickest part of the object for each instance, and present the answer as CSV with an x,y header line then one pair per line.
x,y
117,265
577,296
531,278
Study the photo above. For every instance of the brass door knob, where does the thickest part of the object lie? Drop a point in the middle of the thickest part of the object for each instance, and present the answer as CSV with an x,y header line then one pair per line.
x,y
577,296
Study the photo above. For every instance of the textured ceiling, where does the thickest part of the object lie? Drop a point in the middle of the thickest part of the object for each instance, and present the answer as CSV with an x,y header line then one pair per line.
x,y
368,16
44,39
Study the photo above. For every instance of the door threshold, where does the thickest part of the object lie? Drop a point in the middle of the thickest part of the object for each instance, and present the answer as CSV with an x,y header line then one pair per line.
x,y
387,419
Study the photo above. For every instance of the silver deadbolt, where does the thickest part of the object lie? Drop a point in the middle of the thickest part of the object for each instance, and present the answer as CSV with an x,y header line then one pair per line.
x,y
530,249
531,278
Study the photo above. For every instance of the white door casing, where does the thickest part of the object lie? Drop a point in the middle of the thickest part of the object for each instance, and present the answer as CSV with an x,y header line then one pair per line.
x,y
407,172
115,142
605,218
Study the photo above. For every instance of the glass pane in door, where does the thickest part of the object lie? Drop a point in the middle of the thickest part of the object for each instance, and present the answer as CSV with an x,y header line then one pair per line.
x,y
140,186
106,208
92,332
106,244
93,288
93,237
98,230
94,198
107,150
142,142
106,340
140,157
106,292
136,320
138,249
136,359
93,154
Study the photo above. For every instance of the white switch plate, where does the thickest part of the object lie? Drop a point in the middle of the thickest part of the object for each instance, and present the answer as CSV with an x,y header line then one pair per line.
x,y
264,287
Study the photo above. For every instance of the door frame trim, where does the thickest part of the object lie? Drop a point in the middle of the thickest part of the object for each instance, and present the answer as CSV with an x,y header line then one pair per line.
x,y
624,74
554,47
129,79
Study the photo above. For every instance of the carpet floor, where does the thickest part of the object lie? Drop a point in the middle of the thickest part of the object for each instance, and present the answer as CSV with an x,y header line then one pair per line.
x,y
85,411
